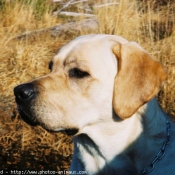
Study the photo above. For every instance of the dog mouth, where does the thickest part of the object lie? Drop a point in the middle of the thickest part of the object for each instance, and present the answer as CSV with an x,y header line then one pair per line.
x,y
71,132
27,117
68,131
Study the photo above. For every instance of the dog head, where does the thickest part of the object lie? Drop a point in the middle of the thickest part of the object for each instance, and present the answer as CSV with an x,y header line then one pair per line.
x,y
90,76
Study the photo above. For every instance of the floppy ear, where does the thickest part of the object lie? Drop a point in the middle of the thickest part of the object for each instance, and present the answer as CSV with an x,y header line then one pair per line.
x,y
138,78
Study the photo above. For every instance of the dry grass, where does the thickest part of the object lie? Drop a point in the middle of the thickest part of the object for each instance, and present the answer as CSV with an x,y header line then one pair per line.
x,y
22,60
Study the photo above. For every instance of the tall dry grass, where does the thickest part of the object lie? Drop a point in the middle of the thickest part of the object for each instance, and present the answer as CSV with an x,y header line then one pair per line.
x,y
25,59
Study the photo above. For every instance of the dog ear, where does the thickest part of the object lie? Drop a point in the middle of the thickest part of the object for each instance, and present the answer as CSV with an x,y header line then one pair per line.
x,y
138,78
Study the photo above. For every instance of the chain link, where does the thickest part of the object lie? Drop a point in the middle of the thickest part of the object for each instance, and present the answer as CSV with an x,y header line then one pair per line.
x,y
161,153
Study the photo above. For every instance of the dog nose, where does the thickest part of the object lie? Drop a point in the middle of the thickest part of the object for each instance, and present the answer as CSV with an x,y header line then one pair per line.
x,y
24,92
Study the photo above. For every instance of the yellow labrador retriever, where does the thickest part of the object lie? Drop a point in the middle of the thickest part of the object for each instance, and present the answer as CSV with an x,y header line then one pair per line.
x,y
102,89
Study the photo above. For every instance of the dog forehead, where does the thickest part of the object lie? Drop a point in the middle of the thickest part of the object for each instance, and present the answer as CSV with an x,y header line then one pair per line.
x,y
70,47
86,44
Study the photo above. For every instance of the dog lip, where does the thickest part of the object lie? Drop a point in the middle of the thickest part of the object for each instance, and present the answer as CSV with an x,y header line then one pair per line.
x,y
71,132
26,117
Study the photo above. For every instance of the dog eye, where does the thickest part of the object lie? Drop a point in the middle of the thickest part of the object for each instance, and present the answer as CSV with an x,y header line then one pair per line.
x,y
50,65
77,73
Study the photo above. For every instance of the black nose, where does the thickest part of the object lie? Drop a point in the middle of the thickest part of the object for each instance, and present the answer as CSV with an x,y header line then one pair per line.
x,y
24,92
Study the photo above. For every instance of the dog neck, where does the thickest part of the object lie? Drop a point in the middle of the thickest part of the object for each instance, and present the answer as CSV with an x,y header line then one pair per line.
x,y
122,141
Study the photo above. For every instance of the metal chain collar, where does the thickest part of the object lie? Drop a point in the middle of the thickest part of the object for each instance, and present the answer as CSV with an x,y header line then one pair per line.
x,y
161,153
